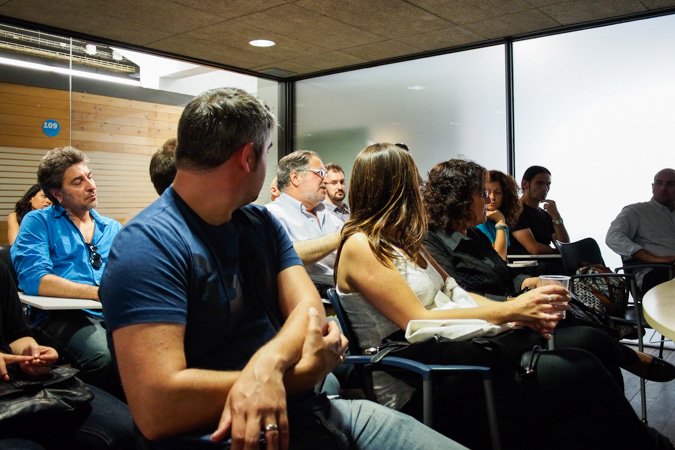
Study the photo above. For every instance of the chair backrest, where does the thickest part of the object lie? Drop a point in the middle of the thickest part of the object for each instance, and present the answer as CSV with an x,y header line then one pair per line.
x,y
345,324
7,259
578,254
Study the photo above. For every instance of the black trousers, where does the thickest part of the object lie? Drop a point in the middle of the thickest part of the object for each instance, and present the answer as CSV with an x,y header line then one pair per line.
x,y
571,402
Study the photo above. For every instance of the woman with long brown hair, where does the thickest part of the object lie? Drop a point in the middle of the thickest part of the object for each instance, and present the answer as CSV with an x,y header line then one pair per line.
x,y
385,280
502,211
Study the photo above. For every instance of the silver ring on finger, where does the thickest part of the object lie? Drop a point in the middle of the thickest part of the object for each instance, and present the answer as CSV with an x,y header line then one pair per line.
x,y
271,427
550,298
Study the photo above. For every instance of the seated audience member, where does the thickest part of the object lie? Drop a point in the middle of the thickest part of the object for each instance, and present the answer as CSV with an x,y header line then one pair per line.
x,y
645,232
105,424
385,279
213,316
502,210
274,190
467,256
61,251
335,192
33,199
537,227
163,166
312,228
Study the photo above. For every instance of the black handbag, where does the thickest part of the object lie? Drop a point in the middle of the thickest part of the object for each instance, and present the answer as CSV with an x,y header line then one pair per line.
x,y
26,400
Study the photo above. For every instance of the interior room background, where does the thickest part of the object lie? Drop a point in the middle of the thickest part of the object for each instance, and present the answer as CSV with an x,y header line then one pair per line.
x,y
594,106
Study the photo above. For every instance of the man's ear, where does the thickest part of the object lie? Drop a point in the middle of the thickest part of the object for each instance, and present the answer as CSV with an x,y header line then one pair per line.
x,y
247,157
56,193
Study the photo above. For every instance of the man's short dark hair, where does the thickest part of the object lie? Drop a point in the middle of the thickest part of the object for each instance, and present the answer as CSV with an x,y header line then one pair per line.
x,y
293,162
54,164
533,171
163,166
334,167
216,123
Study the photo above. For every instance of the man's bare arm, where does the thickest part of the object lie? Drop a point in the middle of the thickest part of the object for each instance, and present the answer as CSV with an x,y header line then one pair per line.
x,y
313,250
55,286
157,382
534,247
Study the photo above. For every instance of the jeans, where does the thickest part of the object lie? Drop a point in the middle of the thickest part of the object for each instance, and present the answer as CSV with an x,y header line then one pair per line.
x,y
82,341
369,425
106,425
366,426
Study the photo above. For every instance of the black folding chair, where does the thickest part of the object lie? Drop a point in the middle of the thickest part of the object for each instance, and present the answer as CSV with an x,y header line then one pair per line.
x,y
367,364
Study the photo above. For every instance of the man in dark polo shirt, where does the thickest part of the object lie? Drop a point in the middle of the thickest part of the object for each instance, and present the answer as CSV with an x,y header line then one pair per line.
x,y
540,223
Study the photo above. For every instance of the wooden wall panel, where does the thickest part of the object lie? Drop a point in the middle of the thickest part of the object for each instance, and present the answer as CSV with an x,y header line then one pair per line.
x,y
118,136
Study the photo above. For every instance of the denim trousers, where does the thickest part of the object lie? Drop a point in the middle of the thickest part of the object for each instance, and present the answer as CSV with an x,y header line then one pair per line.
x,y
365,425
81,340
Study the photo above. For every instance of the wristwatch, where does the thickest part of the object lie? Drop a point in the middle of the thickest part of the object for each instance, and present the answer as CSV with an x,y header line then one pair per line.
x,y
558,221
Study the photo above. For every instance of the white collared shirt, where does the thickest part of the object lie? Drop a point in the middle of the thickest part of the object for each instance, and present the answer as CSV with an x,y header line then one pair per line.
x,y
648,225
301,225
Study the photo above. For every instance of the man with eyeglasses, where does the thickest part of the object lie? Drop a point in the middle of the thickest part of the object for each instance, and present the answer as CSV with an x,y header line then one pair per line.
x,y
645,232
335,191
61,251
313,229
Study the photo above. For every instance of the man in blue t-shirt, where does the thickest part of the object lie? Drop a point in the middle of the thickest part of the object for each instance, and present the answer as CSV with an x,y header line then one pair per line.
x,y
214,322
61,251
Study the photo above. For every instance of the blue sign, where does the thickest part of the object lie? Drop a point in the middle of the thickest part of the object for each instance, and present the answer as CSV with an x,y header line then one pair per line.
x,y
51,127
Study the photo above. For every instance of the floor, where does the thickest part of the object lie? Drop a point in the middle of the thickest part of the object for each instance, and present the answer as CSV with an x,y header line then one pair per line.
x,y
660,397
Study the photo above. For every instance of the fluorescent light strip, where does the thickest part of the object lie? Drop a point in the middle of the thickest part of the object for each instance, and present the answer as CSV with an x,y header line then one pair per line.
x,y
63,71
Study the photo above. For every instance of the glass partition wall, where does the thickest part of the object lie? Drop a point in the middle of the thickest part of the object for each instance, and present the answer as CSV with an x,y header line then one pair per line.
x,y
440,107
594,106
118,106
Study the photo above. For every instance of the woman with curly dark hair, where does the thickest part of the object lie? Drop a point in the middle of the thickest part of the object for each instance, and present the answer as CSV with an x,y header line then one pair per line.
x,y
387,281
456,201
33,199
462,250
502,211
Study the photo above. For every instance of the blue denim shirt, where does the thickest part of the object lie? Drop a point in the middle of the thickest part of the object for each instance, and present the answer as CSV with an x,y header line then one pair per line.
x,y
49,243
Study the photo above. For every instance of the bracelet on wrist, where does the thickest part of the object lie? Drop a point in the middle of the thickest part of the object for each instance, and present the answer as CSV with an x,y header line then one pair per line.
x,y
501,227
558,221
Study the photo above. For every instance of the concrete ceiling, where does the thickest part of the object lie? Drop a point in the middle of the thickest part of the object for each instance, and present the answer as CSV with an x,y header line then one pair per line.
x,y
313,36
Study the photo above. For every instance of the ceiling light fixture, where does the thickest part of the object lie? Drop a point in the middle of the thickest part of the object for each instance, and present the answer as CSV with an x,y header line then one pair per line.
x,y
64,71
262,43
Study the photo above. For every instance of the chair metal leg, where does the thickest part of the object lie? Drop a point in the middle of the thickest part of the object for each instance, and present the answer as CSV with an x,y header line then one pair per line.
x,y
428,405
643,387
661,345
491,413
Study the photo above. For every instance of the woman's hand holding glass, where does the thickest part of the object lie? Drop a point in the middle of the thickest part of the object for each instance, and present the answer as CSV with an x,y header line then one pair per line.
x,y
540,308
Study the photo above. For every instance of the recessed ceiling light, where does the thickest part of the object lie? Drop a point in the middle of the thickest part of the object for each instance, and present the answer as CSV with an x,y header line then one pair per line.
x,y
262,43
416,87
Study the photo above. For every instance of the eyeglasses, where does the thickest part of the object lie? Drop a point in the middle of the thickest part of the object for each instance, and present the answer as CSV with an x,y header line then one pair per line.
x,y
320,172
95,257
